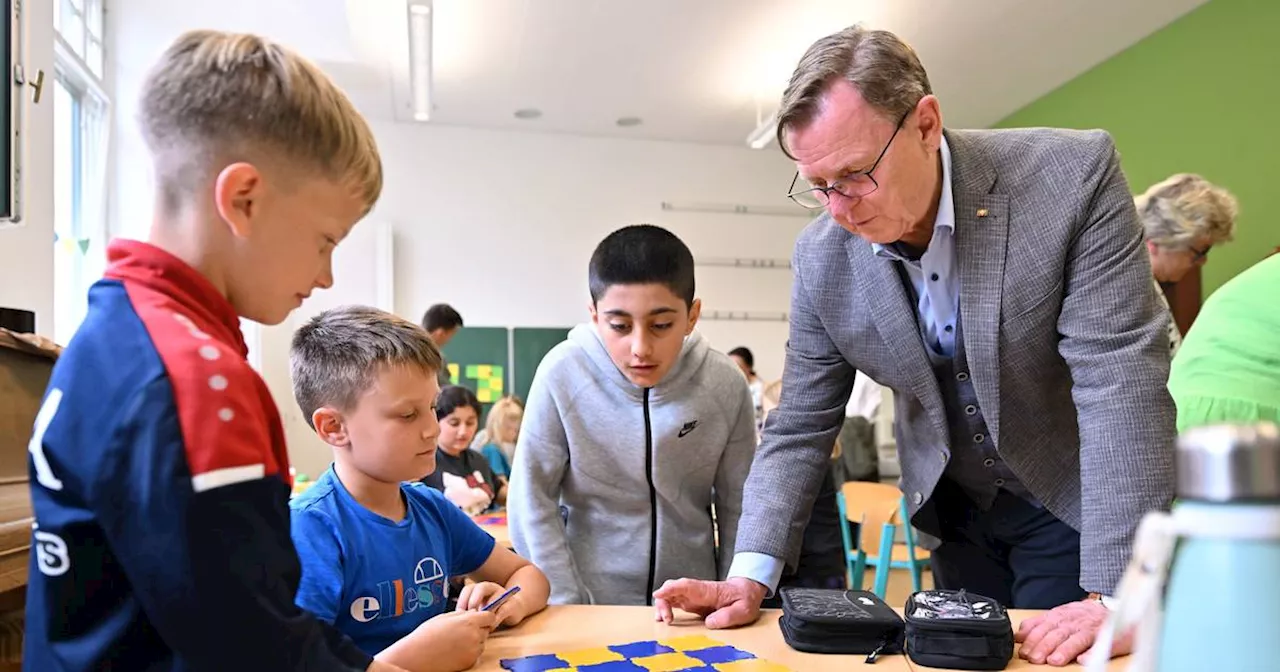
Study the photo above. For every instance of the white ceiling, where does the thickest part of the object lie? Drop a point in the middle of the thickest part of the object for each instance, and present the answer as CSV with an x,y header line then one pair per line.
x,y
693,71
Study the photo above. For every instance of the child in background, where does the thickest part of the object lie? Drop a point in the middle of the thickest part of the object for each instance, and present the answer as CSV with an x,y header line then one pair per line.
x,y
462,474
501,431
442,322
379,553
747,364
636,429
159,475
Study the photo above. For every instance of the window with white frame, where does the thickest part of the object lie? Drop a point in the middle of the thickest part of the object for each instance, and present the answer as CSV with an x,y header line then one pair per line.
x,y
81,127
79,24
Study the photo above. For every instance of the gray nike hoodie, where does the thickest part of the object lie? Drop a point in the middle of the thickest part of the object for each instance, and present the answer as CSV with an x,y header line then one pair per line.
x,y
636,471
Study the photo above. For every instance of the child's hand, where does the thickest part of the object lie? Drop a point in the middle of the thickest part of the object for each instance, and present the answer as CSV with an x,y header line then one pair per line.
x,y
475,596
454,641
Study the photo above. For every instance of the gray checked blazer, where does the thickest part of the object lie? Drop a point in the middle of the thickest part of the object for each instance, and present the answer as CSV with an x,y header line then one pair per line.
x,y
1064,335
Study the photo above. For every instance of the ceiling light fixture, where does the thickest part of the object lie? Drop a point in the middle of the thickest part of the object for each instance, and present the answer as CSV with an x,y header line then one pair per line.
x,y
627,122
420,57
528,113
766,131
738,209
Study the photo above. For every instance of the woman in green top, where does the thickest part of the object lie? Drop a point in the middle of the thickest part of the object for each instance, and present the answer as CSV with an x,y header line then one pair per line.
x,y
1228,369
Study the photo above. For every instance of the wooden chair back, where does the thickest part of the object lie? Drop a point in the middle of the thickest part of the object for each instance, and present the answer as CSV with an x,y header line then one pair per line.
x,y
871,505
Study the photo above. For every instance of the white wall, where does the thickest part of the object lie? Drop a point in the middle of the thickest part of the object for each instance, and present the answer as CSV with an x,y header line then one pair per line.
x,y
26,251
501,224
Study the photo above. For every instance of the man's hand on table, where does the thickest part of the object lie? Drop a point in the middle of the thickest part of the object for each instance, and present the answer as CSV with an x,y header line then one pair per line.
x,y
1063,635
722,604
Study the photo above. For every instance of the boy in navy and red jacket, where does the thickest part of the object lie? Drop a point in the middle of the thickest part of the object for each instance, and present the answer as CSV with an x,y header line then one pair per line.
x,y
159,475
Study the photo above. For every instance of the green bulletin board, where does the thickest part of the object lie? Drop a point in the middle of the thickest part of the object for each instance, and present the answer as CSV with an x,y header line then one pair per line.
x,y
477,358
529,347
495,361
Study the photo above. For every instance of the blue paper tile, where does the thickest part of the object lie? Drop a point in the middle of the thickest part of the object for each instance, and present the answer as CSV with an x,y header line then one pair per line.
x,y
719,654
641,649
612,666
533,664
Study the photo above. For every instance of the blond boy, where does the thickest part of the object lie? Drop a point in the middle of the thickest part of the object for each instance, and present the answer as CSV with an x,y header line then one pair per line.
x,y
159,475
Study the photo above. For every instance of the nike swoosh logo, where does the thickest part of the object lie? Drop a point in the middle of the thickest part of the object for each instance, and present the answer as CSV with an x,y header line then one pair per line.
x,y
689,427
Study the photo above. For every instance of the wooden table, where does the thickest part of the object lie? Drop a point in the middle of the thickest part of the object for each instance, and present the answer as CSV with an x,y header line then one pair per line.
x,y
566,628
495,524
15,534
499,534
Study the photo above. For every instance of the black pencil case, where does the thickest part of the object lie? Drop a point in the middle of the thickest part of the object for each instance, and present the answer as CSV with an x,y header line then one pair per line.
x,y
958,630
818,620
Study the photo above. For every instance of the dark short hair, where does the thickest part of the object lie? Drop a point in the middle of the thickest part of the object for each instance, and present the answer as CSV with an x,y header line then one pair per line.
x,y
336,355
441,316
747,358
642,254
453,397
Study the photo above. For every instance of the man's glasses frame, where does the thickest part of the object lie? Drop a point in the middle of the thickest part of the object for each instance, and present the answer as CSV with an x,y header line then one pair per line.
x,y
854,185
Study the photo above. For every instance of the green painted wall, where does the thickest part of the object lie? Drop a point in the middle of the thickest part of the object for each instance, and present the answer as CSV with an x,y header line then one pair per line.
x,y
1200,96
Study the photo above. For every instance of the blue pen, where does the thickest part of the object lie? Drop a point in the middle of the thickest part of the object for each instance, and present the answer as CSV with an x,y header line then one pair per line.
x,y
501,598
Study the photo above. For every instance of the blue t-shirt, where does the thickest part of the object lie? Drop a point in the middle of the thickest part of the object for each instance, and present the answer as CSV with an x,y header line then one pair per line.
x,y
376,579
497,460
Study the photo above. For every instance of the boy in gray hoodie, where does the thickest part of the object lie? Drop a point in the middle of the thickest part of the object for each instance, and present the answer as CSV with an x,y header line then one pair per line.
x,y
633,429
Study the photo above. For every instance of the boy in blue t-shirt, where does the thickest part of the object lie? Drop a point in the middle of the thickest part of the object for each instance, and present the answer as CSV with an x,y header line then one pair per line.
x,y
378,552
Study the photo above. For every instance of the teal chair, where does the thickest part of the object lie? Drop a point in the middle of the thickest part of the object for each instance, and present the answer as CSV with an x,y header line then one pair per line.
x,y
877,509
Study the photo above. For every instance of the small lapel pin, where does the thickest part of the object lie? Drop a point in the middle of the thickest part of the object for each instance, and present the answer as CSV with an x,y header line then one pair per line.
x,y
982,212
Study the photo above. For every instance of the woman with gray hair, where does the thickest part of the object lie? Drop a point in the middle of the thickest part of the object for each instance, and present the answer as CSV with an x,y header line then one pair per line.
x,y
1183,218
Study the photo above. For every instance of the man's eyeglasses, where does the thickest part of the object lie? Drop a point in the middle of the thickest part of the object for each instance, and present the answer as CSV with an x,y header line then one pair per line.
x,y
853,185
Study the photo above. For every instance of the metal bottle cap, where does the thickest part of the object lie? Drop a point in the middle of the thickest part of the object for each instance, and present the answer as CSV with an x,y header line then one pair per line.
x,y
1229,463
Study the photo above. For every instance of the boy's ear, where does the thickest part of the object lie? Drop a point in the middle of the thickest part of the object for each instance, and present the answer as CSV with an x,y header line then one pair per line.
x,y
236,192
330,427
695,311
591,308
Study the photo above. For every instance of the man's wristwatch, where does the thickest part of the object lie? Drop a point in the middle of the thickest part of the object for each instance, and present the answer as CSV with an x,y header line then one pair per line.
x,y
1107,601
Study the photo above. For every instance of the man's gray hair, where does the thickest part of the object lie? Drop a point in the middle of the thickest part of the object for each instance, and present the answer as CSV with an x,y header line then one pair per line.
x,y
883,68
1184,207
337,355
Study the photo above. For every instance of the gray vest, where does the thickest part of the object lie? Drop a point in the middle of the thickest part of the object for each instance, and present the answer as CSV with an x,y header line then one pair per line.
x,y
975,464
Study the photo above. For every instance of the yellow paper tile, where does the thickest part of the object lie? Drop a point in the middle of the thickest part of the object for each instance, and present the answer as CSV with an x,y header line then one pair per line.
x,y
590,656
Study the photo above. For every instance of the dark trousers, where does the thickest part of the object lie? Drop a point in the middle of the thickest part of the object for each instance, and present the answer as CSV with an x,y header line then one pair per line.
x,y
1016,553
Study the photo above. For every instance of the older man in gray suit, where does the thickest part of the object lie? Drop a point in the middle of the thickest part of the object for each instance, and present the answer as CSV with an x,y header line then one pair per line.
x,y
997,281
